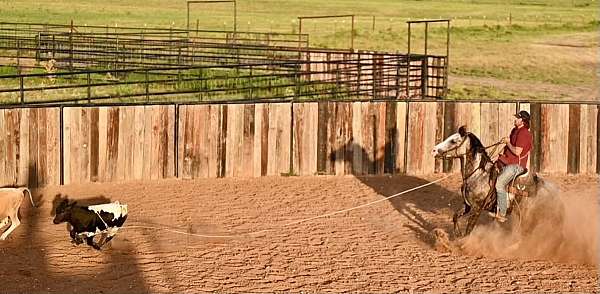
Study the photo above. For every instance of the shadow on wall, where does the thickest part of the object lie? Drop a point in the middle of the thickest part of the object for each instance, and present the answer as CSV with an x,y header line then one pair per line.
x,y
433,199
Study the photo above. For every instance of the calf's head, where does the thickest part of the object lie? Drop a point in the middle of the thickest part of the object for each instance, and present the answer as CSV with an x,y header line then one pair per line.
x,y
63,211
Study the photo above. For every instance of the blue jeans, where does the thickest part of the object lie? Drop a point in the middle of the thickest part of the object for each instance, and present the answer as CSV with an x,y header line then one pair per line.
x,y
508,174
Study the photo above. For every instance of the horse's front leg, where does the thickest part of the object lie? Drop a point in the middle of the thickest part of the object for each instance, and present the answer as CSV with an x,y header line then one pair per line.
x,y
472,221
457,215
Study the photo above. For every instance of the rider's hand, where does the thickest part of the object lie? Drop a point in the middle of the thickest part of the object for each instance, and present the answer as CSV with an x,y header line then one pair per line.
x,y
505,140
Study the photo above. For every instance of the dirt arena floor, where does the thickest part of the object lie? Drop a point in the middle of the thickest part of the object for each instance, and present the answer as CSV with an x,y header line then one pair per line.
x,y
392,246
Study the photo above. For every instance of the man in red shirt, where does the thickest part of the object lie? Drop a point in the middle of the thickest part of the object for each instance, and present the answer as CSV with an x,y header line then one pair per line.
x,y
513,159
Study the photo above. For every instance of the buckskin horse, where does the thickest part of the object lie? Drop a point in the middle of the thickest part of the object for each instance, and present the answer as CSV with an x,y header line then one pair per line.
x,y
479,175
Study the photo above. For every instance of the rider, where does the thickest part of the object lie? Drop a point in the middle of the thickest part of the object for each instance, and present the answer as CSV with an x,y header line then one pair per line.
x,y
513,160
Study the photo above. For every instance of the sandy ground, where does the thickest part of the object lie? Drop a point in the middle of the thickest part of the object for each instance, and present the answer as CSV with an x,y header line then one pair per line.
x,y
385,247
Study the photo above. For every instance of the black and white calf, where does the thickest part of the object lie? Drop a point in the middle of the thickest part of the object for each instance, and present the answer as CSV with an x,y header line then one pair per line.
x,y
89,221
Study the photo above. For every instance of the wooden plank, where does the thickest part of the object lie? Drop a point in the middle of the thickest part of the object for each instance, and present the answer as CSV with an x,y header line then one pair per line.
x,y
94,147
264,155
368,128
10,128
163,145
597,138
123,144
401,125
284,113
257,150
416,134
247,163
156,164
506,118
186,141
170,133
348,142
181,140
357,144
331,138
429,135
343,139
274,143
573,143
337,152
120,163
223,138
380,136
42,148
449,129
554,148
536,132
439,134
67,113
23,147
193,140
73,116
32,179
112,143
490,121
138,143
306,118
53,146
299,147
474,123
102,144
323,114
588,146
235,129
3,146
84,162
214,135
585,125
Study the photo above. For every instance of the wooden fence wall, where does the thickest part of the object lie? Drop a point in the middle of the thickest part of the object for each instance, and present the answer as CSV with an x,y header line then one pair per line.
x,y
49,146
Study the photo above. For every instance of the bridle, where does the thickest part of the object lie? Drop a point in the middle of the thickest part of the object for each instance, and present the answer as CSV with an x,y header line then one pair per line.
x,y
462,157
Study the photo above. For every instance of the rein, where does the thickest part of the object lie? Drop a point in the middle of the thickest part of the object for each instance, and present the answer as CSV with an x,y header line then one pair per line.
x,y
462,159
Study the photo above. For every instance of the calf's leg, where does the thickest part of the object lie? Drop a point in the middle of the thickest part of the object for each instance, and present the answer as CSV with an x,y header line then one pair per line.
x,y
14,223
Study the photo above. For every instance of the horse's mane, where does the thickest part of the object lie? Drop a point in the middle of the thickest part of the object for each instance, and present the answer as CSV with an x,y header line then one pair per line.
x,y
476,146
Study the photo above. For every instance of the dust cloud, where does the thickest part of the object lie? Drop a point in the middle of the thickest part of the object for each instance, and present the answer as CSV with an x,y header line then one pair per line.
x,y
556,225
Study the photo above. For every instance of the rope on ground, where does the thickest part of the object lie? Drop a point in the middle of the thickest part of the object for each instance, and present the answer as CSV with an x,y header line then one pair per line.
x,y
293,222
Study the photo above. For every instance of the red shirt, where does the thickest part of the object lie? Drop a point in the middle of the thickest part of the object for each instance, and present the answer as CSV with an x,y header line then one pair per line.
x,y
519,137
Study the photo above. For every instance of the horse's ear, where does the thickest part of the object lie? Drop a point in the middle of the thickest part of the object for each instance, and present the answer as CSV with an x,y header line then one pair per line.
x,y
462,131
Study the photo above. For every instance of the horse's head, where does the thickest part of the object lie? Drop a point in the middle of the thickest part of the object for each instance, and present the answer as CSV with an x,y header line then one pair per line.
x,y
453,142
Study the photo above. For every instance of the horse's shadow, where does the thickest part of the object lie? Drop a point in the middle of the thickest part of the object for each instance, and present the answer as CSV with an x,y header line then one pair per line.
x,y
424,209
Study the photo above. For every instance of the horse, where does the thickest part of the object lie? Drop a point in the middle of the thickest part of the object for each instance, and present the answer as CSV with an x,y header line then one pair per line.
x,y
479,173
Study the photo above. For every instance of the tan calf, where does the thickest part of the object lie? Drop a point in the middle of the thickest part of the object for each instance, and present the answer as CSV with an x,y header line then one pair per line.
x,y
10,202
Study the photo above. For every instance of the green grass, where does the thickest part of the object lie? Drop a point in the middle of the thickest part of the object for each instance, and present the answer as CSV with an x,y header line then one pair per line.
x,y
502,39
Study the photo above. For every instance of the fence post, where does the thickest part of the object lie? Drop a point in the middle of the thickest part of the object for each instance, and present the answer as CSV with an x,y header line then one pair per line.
x,y
141,46
147,86
251,82
89,88
37,49
373,28
71,47
116,53
21,88
18,56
